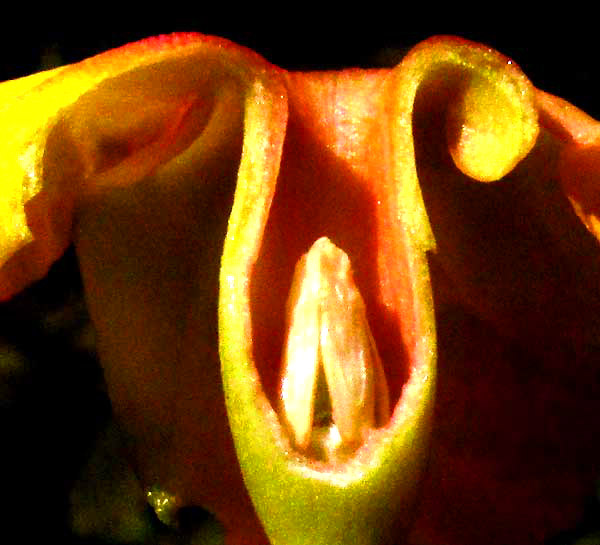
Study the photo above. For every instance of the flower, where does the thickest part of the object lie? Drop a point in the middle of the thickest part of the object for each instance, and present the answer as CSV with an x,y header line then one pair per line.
x,y
192,176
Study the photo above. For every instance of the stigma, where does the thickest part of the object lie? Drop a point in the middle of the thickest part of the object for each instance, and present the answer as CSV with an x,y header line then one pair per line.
x,y
333,387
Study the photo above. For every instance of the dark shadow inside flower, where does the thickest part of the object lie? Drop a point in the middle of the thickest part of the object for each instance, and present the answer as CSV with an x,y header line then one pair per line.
x,y
512,246
514,279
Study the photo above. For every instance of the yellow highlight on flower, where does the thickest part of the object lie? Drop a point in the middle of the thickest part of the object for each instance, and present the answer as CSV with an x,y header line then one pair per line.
x,y
20,120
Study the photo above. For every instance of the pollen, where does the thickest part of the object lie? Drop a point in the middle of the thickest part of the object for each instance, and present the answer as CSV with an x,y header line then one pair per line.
x,y
333,387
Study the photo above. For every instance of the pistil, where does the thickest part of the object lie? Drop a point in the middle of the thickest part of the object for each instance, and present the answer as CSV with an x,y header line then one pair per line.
x,y
333,387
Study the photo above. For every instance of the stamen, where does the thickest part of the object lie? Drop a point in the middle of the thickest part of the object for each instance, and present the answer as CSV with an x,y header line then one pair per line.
x,y
333,388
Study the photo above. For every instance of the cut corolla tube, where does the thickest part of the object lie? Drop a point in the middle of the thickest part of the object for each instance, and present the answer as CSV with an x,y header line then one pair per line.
x,y
333,387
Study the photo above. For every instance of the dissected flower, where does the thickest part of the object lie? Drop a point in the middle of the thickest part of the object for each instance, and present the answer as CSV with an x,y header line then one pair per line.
x,y
193,176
